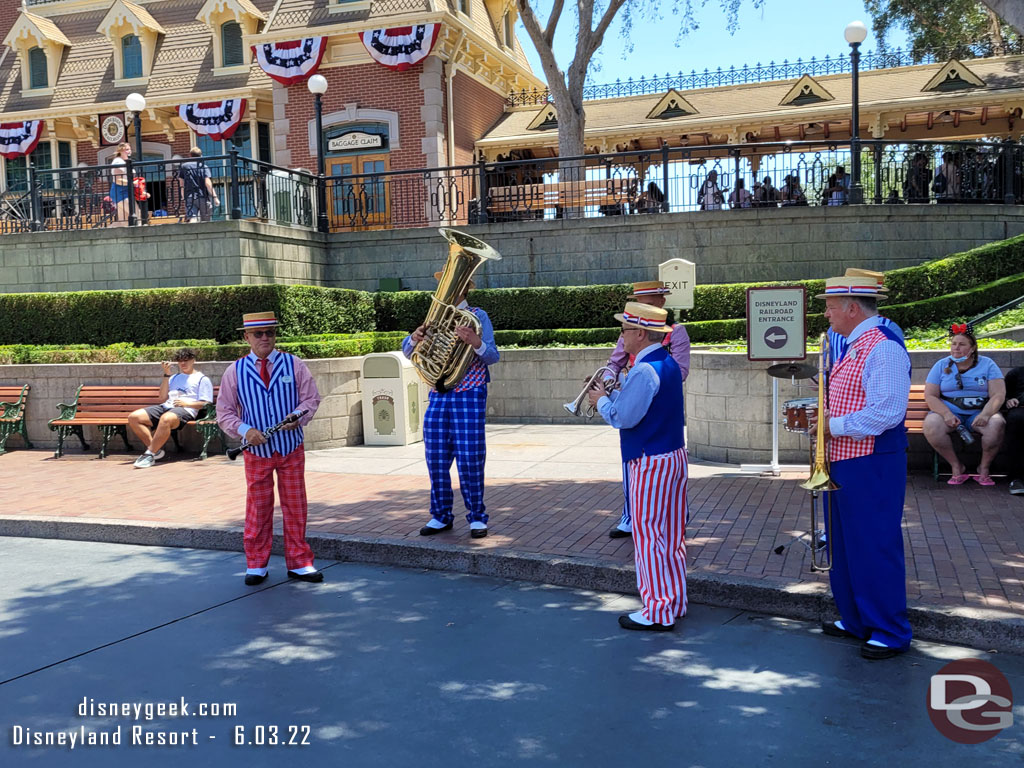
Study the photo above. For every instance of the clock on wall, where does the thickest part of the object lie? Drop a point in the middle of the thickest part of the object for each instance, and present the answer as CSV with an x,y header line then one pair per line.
x,y
111,129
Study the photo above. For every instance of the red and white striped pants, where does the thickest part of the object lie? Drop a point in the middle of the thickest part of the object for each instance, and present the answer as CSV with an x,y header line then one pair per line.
x,y
259,508
657,496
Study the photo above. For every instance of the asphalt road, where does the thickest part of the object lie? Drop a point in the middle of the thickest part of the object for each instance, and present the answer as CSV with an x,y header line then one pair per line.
x,y
383,666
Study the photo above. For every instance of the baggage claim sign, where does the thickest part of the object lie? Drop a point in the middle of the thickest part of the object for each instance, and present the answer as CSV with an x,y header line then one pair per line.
x,y
776,323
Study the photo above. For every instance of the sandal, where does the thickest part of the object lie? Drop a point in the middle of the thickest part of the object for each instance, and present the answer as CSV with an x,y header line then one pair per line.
x,y
957,480
984,480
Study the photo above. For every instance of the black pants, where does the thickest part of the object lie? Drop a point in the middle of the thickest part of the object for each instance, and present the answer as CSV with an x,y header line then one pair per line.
x,y
1013,442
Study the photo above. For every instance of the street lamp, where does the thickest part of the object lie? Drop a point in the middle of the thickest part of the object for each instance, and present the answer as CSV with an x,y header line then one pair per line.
x,y
855,34
135,103
317,85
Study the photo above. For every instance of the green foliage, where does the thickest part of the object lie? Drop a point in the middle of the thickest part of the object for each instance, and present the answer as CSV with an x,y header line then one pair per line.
x,y
934,24
147,317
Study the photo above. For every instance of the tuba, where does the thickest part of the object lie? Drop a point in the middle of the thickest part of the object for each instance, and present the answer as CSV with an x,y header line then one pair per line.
x,y
442,358
820,482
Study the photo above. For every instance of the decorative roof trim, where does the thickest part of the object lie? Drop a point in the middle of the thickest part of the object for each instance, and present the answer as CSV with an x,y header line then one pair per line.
x,y
673,104
545,120
235,8
36,26
123,12
954,76
806,90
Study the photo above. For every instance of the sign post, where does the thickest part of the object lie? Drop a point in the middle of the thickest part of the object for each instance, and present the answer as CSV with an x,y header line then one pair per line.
x,y
680,276
776,330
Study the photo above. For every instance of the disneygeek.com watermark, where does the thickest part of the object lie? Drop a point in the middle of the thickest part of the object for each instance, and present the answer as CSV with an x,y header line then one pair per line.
x,y
970,701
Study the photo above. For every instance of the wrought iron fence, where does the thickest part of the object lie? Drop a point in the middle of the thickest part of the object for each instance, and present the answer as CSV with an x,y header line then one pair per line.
x,y
784,70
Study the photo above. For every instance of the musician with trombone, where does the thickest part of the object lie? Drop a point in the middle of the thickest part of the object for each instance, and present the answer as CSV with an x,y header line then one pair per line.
x,y
654,293
258,392
648,412
453,425
867,442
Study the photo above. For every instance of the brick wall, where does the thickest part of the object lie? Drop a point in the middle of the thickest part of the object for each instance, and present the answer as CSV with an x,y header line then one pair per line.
x,y
477,108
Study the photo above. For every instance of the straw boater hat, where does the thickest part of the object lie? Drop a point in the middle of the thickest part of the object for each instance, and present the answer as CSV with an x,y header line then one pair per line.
x,y
866,288
878,277
649,288
258,320
437,276
644,316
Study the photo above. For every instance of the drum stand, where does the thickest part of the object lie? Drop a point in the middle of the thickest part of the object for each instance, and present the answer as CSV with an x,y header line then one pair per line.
x,y
818,536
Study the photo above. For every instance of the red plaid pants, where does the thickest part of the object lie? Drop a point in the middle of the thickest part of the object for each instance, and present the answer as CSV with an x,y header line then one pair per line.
x,y
259,508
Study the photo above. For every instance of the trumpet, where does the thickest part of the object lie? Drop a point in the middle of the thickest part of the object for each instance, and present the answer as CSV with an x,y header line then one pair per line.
x,y
820,482
576,407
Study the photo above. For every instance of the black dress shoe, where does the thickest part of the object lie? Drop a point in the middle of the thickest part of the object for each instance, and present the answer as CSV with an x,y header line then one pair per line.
x,y
253,579
830,628
313,578
477,533
879,652
427,530
618,533
627,623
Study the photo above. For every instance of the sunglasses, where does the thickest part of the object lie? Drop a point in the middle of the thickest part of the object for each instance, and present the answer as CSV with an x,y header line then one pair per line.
x,y
959,381
260,334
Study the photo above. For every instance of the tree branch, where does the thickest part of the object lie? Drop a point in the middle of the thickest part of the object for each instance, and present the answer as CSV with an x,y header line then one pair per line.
x,y
549,31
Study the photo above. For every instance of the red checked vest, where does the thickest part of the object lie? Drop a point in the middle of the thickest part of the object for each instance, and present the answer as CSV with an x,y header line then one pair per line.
x,y
477,375
846,395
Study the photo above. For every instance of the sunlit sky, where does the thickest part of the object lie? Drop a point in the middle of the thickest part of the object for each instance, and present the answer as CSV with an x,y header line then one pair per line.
x,y
781,29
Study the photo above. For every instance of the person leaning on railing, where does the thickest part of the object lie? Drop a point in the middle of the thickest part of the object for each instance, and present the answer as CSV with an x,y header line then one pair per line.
x,y
197,188
964,392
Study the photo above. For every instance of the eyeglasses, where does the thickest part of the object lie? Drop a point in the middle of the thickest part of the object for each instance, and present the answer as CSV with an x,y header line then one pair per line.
x,y
260,334
959,381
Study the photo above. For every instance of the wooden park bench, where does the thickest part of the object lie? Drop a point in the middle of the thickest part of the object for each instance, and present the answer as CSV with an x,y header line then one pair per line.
x,y
917,409
108,408
12,414
526,198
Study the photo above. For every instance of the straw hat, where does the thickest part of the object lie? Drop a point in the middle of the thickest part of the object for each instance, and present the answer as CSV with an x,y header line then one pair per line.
x,y
253,320
437,276
644,316
866,288
649,288
878,277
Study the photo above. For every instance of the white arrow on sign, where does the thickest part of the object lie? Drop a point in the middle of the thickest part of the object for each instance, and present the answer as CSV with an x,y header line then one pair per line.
x,y
776,337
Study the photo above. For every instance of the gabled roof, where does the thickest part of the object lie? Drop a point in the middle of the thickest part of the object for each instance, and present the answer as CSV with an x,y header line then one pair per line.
x,y
132,14
672,104
954,76
806,90
42,28
243,6
545,120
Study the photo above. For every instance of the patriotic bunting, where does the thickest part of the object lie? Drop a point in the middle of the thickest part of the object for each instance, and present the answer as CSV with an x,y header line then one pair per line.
x,y
216,119
18,139
292,61
401,47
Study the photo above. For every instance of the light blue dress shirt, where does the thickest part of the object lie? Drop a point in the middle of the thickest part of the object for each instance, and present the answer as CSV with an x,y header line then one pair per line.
x,y
625,408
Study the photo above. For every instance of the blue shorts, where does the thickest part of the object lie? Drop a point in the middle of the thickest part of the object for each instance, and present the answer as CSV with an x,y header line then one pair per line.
x,y
119,192
967,419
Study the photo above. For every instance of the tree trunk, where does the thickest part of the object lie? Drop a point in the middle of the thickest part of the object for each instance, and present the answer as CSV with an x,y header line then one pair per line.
x,y
1011,11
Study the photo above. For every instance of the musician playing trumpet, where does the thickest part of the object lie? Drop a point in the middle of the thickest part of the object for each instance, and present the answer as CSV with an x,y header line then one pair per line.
x,y
653,293
648,412
257,392
867,443
453,427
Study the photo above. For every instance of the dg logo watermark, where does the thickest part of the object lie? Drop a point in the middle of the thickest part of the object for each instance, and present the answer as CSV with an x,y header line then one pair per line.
x,y
970,701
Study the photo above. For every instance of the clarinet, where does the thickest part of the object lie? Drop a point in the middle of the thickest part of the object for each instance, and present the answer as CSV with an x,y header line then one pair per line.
x,y
289,419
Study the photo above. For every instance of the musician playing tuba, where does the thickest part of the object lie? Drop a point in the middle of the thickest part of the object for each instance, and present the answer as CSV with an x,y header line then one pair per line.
x,y
453,350
867,443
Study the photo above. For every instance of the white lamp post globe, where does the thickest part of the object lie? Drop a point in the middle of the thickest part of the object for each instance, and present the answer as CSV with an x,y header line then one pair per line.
x,y
135,102
317,84
856,32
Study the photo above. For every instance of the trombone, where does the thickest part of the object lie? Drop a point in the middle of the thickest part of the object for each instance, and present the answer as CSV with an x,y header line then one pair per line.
x,y
820,482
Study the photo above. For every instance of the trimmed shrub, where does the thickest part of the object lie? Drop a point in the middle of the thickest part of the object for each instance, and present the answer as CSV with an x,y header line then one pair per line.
x,y
147,317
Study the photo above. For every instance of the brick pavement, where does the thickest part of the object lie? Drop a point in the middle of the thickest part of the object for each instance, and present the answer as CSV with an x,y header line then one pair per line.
x,y
965,546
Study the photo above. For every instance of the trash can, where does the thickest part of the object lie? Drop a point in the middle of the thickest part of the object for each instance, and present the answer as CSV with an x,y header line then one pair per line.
x,y
394,399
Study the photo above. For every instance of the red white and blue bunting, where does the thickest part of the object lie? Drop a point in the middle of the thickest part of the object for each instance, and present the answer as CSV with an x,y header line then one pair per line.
x,y
291,61
401,47
18,139
216,119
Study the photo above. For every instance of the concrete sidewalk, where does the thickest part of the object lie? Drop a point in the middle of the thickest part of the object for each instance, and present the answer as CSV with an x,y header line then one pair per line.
x,y
553,492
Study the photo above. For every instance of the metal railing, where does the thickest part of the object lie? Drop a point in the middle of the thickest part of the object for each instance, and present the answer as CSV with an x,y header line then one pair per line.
x,y
711,178
784,70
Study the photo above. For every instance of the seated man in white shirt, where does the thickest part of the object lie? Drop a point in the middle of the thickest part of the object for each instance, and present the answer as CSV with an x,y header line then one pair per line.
x,y
184,394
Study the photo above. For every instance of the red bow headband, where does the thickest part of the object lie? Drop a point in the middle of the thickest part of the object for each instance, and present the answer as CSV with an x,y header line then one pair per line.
x,y
959,328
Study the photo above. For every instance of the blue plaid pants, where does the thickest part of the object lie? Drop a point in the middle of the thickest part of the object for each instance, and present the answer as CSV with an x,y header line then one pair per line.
x,y
453,428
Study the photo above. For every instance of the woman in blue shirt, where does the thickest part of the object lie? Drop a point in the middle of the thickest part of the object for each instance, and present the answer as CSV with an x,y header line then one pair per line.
x,y
965,390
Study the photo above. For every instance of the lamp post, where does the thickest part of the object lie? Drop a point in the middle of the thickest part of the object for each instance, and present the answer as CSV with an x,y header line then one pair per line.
x,y
855,34
135,103
317,85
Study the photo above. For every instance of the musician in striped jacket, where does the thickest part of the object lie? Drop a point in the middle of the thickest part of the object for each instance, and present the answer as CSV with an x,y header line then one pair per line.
x,y
648,412
257,392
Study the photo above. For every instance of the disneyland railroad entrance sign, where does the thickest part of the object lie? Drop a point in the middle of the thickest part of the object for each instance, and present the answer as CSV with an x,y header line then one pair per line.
x,y
776,323
680,276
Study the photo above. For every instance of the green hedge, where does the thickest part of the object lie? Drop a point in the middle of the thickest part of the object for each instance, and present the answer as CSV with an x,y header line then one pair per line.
x,y
146,317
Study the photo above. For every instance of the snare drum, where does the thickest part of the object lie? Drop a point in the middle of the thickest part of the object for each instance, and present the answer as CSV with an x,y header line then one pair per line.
x,y
797,412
